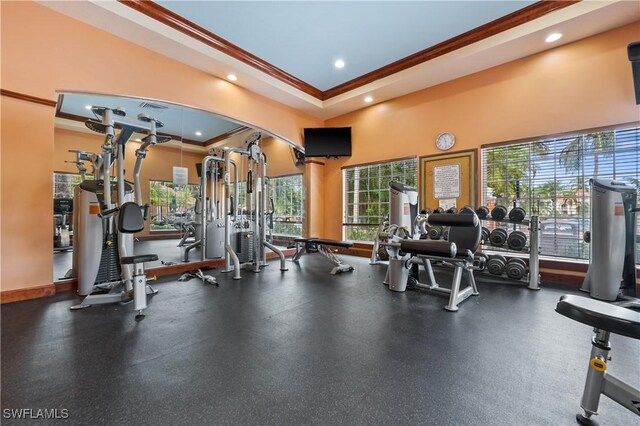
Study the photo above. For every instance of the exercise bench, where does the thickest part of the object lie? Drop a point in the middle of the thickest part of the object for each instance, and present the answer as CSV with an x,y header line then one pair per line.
x,y
605,318
326,248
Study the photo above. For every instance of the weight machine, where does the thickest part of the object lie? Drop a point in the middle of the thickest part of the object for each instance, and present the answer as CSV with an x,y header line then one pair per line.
x,y
106,271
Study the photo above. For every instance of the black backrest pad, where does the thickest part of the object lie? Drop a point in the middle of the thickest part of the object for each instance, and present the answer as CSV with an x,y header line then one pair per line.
x,y
598,314
130,218
466,237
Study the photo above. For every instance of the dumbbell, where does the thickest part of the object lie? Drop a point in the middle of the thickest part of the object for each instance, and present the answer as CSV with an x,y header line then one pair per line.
x,y
439,210
482,212
517,214
425,211
383,254
466,210
496,264
498,237
517,240
499,212
516,268
435,232
452,210
480,261
445,233
485,235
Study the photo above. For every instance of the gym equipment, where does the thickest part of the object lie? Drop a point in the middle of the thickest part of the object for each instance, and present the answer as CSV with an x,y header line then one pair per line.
x,y
313,245
104,229
62,233
445,233
464,239
425,211
516,268
499,213
482,212
485,235
517,240
498,237
496,264
605,318
613,246
480,261
452,210
517,214
435,232
403,205
466,210
197,273
439,210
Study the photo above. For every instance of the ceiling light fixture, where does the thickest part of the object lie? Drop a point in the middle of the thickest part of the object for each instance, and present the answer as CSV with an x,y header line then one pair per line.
x,y
232,77
87,106
368,99
553,37
198,133
339,63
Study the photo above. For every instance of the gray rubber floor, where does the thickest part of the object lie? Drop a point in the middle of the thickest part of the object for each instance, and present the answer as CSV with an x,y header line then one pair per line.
x,y
305,347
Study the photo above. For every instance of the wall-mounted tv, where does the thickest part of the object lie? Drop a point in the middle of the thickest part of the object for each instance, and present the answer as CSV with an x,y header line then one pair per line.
x,y
327,142
634,56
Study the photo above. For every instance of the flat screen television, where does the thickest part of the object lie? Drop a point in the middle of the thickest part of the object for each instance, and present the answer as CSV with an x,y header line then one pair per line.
x,y
327,142
634,56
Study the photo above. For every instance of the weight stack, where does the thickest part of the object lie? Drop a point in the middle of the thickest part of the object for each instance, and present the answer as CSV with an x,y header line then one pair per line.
x,y
244,244
109,270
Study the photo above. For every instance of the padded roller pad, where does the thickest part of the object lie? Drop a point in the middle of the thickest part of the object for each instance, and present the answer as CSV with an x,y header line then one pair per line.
x,y
139,258
333,243
601,315
429,248
453,220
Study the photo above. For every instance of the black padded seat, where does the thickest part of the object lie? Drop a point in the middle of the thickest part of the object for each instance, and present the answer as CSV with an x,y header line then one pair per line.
x,y
333,243
601,315
139,258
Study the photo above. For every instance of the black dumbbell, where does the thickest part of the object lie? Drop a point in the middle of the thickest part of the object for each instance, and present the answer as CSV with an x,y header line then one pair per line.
x,y
499,212
517,214
496,264
482,212
439,210
445,233
485,235
480,261
516,268
435,232
498,237
587,237
425,211
452,210
466,210
517,240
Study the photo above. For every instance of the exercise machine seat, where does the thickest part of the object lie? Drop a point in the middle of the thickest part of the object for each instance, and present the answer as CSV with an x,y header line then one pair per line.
x,y
140,258
601,315
333,243
130,218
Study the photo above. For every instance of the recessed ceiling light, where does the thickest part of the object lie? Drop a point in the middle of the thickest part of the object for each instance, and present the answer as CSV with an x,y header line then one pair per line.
x,y
553,37
87,106
339,63
198,133
368,99
232,77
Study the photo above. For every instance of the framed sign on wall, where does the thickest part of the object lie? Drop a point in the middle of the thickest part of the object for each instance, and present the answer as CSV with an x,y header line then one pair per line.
x,y
448,180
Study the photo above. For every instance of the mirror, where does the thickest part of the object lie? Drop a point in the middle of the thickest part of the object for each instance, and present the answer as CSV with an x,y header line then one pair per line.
x,y
169,177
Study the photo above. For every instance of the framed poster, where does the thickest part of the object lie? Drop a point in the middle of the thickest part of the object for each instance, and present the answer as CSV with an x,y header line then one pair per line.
x,y
448,180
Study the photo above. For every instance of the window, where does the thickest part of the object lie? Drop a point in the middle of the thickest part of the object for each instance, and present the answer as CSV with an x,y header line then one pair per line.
x,y
171,204
288,201
552,177
64,184
366,195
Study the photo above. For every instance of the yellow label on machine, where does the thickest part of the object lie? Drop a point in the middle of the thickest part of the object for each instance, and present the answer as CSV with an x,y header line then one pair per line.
x,y
598,364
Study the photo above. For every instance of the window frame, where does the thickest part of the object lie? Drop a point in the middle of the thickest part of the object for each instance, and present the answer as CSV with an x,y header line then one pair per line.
x,y
302,205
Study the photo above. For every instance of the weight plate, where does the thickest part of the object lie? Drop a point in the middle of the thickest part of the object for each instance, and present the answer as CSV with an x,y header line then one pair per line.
x,y
496,264
435,232
482,212
498,237
452,210
517,214
516,268
485,235
439,210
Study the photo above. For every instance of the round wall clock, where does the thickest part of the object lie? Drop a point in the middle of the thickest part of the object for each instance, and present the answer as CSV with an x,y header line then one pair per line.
x,y
445,141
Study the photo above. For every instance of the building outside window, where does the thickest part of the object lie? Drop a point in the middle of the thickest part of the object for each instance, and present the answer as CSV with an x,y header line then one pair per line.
x,y
171,204
288,202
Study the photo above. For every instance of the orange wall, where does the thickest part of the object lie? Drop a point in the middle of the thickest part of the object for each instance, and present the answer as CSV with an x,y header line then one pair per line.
x,y
44,51
280,160
582,85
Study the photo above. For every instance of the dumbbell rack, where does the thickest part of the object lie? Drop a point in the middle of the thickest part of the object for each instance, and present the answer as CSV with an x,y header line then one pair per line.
x,y
533,249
